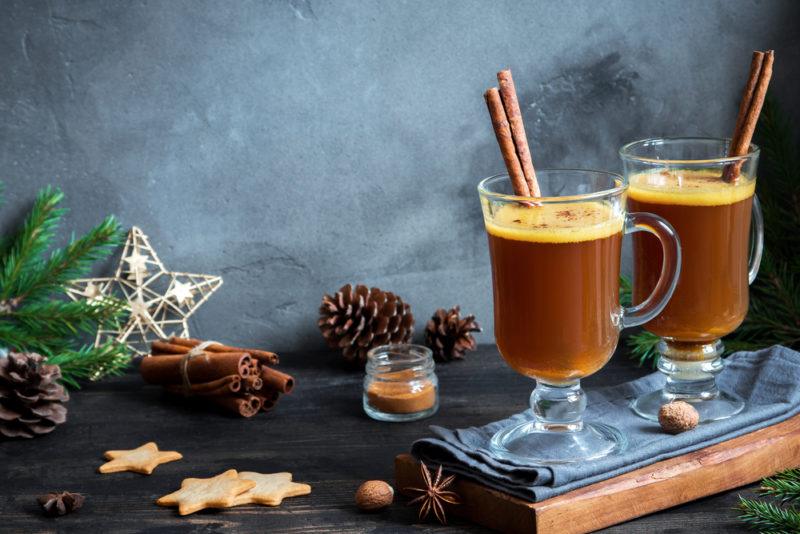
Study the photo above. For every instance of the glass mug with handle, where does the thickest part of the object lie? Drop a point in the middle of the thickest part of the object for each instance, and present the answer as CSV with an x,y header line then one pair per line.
x,y
557,317
688,182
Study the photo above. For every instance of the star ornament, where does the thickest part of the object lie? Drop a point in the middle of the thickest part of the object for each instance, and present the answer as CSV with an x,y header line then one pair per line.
x,y
143,459
159,301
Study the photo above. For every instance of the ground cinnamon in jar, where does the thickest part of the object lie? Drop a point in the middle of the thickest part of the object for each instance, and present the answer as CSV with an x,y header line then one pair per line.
x,y
402,393
400,384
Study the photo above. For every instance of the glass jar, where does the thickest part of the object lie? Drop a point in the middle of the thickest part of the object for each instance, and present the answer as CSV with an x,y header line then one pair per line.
x,y
400,384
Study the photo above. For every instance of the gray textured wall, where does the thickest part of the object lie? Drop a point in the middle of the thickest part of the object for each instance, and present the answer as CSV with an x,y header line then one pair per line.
x,y
292,146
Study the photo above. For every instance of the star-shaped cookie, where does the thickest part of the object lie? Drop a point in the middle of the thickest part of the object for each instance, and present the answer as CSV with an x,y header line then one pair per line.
x,y
199,493
270,489
142,459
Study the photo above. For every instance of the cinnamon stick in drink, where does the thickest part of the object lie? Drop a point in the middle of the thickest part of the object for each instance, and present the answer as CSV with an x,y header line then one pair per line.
x,y
749,109
508,94
502,130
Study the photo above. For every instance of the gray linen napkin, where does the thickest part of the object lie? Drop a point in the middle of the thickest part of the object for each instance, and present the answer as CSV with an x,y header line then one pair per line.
x,y
768,380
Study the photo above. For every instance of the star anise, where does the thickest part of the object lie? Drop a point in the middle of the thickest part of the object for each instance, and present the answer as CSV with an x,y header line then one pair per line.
x,y
64,502
434,494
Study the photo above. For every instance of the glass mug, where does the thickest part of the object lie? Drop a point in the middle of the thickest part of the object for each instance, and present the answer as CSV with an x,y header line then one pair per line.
x,y
555,274
681,180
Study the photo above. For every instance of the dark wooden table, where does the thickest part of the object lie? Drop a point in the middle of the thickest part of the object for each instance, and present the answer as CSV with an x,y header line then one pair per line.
x,y
319,433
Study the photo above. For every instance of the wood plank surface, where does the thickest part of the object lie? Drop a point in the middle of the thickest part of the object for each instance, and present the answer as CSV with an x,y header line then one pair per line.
x,y
646,490
319,433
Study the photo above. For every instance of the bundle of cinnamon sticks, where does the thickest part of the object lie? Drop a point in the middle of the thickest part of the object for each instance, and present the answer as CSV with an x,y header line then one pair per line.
x,y
755,91
510,132
237,379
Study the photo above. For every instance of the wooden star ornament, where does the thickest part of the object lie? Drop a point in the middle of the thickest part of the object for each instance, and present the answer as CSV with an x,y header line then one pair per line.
x,y
270,489
143,459
199,493
159,301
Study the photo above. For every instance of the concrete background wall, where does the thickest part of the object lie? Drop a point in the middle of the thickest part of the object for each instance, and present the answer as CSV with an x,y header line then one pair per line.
x,y
292,146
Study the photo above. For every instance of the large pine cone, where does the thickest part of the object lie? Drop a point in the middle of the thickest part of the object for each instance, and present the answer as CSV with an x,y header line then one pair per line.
x,y
449,336
31,399
355,320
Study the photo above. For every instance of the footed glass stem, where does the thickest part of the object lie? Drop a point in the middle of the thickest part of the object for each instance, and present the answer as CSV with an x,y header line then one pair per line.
x,y
691,369
557,434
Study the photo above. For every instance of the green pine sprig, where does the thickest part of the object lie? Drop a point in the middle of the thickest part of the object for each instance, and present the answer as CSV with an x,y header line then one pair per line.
x,y
768,518
784,486
774,313
91,363
33,313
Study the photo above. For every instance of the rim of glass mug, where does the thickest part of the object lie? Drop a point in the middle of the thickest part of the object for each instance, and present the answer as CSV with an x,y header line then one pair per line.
x,y
626,152
621,184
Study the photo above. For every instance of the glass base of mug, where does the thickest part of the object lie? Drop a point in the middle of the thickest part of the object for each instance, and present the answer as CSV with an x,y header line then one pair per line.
x,y
690,369
528,443
723,406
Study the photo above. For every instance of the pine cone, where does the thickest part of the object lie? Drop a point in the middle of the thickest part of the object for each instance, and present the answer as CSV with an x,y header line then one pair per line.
x,y
31,399
55,504
355,320
449,336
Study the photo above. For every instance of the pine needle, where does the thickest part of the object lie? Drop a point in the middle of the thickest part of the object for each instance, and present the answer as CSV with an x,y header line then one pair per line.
x,y
785,486
91,363
31,319
768,518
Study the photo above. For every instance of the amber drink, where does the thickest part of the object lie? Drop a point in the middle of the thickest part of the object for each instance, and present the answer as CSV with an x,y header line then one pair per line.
x,y
557,317
684,181
566,259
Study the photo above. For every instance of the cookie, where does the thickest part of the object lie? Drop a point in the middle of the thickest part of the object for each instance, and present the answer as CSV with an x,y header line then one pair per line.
x,y
200,493
270,489
143,459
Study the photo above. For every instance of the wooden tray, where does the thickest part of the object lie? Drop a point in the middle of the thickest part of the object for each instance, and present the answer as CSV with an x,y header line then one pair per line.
x,y
717,468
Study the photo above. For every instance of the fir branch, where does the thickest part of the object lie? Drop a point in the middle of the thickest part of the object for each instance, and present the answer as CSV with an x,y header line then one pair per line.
x,y
785,485
625,291
26,247
767,517
92,363
61,318
74,260
644,348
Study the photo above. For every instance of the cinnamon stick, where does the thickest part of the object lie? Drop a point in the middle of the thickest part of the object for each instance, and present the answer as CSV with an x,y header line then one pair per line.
x,y
254,382
755,92
276,380
166,369
261,355
225,389
246,406
268,399
508,94
502,131
160,348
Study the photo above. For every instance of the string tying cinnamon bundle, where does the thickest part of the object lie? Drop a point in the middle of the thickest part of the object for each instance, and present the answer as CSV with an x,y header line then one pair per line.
x,y
237,379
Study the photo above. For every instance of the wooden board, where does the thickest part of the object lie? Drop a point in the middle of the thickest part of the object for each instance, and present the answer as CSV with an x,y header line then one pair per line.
x,y
646,490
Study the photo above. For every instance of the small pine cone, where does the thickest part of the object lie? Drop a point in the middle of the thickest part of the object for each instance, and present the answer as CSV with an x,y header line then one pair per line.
x,y
56,504
449,336
358,319
31,399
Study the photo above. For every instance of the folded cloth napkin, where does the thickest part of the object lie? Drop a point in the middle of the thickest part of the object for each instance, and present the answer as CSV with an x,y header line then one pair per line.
x,y
768,380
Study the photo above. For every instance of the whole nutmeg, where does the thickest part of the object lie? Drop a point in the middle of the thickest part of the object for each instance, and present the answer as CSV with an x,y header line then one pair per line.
x,y
374,495
677,417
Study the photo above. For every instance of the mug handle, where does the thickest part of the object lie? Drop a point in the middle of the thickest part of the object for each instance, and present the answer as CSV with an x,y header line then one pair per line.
x,y
756,241
670,267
